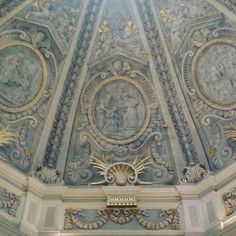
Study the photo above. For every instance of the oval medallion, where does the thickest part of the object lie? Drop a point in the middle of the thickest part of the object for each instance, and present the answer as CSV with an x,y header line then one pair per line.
x,y
119,111
214,74
23,75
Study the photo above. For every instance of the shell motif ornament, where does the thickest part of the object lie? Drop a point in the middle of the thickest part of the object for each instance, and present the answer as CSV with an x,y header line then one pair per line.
x,y
120,173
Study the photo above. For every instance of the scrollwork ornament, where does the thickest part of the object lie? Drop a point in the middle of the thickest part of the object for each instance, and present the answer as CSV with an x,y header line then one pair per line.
x,y
119,110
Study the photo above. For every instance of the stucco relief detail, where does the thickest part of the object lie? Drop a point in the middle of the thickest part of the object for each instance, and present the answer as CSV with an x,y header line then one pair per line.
x,y
160,219
230,4
119,107
118,117
177,15
9,202
64,106
229,201
170,93
48,175
28,68
118,31
60,17
208,73
6,6
194,173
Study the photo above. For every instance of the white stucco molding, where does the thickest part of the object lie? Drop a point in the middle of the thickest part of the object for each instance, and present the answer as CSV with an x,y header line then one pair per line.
x,y
150,193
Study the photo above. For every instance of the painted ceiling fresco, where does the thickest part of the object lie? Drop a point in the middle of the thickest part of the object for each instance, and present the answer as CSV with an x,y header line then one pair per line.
x,y
118,92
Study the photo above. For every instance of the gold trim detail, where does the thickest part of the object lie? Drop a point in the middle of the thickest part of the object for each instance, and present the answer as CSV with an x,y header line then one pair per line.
x,y
35,99
146,112
6,137
121,201
194,75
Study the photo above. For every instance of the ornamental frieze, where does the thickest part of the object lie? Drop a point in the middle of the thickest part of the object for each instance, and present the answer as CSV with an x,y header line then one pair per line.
x,y
84,219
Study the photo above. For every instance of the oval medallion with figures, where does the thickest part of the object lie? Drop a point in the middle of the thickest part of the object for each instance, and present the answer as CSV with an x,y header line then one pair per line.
x,y
214,73
119,111
23,75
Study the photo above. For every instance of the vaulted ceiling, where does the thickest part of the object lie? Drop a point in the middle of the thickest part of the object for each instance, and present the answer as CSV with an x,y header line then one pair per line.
x,y
118,92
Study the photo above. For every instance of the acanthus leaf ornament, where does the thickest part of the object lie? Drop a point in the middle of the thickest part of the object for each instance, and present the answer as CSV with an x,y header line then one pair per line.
x,y
194,172
48,175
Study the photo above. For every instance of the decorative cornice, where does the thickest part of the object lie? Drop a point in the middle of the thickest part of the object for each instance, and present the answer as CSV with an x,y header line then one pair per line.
x,y
152,195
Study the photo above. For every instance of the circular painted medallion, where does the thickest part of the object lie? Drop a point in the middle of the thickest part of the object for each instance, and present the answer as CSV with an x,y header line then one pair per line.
x,y
22,76
214,74
119,111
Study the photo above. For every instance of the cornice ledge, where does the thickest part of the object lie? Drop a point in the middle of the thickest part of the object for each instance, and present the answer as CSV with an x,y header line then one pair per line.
x,y
33,185
122,233
209,183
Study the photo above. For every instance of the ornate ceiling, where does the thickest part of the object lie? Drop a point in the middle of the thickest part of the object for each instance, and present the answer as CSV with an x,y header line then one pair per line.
x,y
118,92
118,82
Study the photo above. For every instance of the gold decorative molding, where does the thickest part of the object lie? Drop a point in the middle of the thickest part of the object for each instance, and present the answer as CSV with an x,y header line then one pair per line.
x,y
121,201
